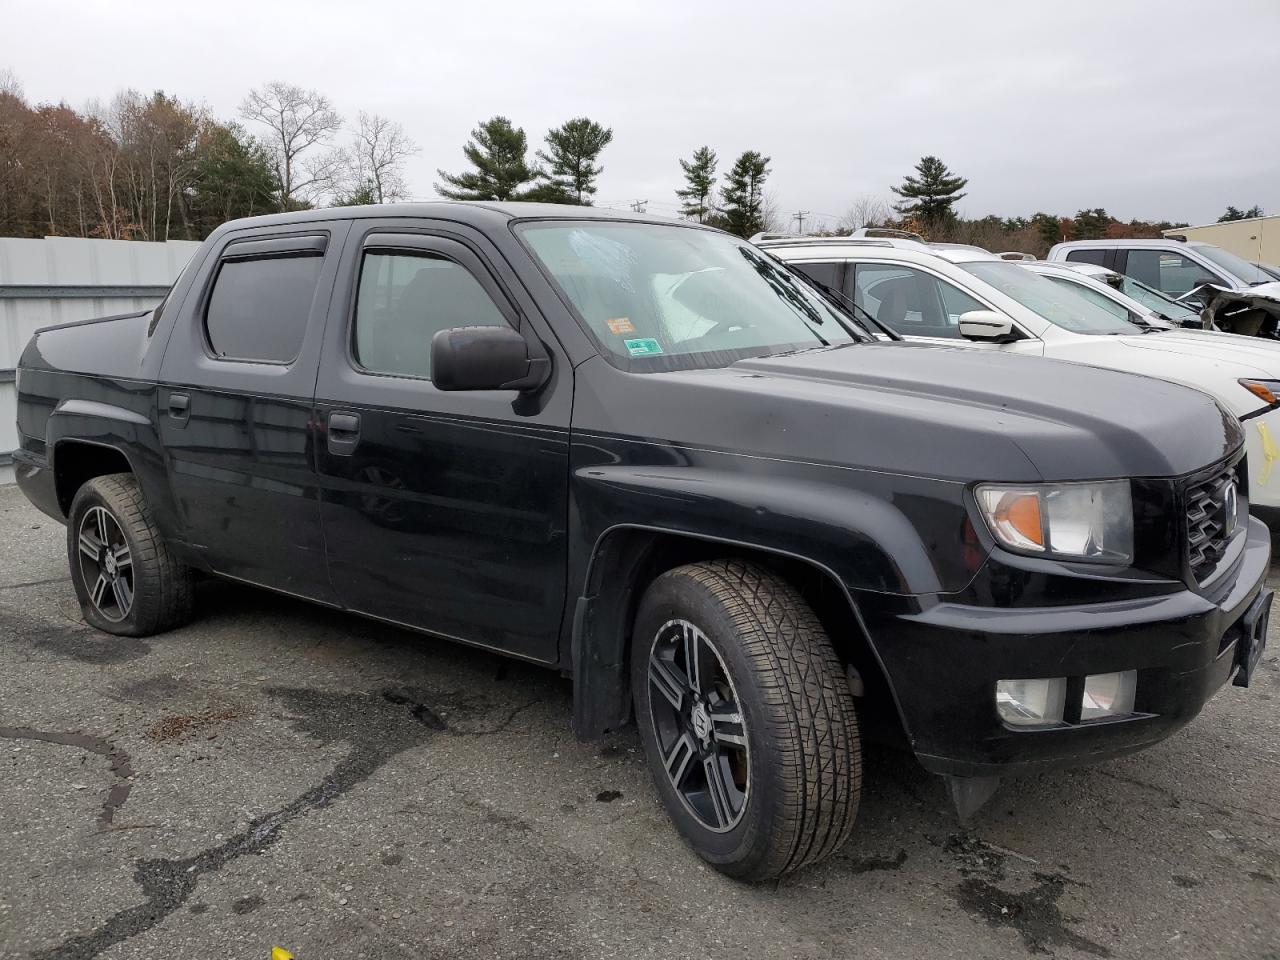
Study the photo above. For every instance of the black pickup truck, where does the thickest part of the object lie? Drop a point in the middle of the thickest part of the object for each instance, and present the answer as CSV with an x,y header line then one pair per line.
x,y
649,455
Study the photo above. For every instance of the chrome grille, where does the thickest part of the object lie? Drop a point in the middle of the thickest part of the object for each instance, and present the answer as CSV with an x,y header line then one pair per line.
x,y
1209,527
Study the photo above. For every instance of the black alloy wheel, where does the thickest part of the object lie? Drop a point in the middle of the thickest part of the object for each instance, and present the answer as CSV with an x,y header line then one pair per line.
x,y
699,724
746,717
125,577
106,564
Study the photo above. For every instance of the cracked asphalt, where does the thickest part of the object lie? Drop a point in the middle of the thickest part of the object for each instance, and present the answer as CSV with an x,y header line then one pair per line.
x,y
277,774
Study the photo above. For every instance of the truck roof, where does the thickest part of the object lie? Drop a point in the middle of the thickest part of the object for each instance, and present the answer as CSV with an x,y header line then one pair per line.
x,y
468,211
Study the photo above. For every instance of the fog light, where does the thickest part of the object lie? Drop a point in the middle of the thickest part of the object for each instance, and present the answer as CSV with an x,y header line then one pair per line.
x,y
1108,695
1031,703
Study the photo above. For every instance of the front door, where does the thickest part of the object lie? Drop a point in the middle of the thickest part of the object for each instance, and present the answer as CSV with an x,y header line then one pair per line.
x,y
919,305
236,390
445,511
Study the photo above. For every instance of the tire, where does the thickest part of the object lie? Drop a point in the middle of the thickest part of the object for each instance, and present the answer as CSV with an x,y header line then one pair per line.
x,y
132,586
787,795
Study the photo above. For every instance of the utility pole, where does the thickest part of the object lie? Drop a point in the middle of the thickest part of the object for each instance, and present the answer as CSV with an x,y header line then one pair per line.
x,y
799,216
638,205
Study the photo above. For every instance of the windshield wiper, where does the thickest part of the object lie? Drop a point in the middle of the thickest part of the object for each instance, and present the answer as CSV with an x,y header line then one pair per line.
x,y
847,305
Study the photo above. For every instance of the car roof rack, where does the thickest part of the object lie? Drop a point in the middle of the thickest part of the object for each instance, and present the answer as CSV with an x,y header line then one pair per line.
x,y
888,232
775,241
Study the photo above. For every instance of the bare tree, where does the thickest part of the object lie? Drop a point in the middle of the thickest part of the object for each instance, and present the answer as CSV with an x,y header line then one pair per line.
x,y
375,161
866,210
772,219
11,85
299,120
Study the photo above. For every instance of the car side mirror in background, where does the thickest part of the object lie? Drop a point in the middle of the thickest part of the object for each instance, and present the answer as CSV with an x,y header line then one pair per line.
x,y
987,326
485,358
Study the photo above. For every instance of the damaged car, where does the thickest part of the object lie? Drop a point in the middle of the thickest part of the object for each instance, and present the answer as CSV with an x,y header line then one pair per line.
x,y
1230,293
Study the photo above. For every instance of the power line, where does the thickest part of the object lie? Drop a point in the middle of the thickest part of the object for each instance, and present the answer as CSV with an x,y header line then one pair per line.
x,y
799,216
638,205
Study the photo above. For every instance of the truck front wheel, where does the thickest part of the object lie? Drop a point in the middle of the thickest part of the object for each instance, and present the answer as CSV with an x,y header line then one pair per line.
x,y
124,576
746,717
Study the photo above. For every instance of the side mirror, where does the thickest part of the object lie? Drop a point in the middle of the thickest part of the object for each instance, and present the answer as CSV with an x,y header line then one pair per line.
x,y
485,358
987,326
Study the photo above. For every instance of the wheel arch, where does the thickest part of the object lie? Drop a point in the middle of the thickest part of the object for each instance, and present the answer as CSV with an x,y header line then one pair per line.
x,y
74,462
627,557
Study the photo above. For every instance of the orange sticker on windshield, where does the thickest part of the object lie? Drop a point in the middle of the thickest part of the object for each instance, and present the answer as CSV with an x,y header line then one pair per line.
x,y
621,325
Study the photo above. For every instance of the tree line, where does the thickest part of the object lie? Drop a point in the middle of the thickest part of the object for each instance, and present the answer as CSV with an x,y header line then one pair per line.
x,y
926,206
158,168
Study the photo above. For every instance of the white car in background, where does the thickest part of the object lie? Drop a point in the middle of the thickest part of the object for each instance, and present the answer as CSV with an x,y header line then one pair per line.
x,y
1127,298
967,298
1238,296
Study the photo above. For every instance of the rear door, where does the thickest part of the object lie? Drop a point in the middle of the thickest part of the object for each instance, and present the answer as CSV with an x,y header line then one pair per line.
x,y
445,511
235,406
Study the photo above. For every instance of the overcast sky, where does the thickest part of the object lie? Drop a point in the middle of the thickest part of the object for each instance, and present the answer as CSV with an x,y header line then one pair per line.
x,y
1161,110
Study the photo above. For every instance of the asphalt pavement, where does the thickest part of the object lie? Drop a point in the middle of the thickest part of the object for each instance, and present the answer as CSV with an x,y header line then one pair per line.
x,y
276,774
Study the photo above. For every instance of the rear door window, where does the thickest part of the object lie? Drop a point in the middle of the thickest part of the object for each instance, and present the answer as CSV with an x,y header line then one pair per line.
x,y
1088,256
827,274
258,308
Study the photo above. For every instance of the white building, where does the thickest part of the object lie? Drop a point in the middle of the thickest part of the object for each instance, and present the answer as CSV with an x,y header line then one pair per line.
x,y
1256,239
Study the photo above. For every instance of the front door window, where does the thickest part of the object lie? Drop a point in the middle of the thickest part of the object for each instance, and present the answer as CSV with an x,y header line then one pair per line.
x,y
910,302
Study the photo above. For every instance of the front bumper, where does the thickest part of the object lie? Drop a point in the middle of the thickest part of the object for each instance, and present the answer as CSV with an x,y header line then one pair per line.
x,y
1262,443
943,664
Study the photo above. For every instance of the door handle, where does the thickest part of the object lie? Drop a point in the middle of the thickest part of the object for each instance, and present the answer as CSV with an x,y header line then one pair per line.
x,y
343,433
179,406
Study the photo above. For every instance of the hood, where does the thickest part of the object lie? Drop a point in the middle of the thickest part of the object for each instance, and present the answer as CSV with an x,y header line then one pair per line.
x,y
944,412
1255,356
1213,362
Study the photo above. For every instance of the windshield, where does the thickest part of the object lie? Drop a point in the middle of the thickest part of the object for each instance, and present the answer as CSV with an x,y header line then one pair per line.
x,y
1060,305
1236,266
661,297
1153,299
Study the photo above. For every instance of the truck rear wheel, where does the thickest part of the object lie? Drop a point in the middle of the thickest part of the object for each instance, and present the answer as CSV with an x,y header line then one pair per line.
x,y
124,576
746,716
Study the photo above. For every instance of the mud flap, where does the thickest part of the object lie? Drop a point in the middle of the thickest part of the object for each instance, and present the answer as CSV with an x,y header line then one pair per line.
x,y
970,794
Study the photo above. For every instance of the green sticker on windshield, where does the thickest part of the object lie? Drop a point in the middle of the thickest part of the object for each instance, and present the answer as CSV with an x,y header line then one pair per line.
x,y
644,347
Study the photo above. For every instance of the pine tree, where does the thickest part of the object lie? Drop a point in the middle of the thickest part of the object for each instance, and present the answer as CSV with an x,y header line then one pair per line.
x,y
234,178
700,175
743,194
930,195
570,158
497,151
1091,224
1234,213
1048,228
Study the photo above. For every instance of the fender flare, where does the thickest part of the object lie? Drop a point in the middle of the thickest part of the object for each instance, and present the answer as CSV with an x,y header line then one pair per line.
x,y
92,423
599,651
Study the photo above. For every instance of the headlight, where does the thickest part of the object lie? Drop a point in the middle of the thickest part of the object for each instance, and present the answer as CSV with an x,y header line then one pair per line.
x,y
1088,521
1268,391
